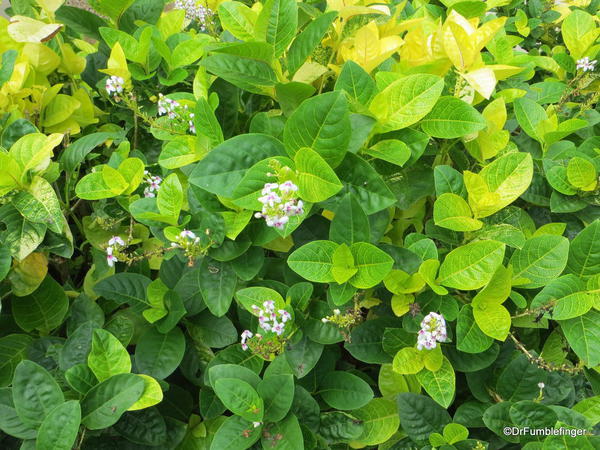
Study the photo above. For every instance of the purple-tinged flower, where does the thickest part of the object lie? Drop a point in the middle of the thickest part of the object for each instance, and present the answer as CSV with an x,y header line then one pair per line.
x,y
586,65
116,240
110,258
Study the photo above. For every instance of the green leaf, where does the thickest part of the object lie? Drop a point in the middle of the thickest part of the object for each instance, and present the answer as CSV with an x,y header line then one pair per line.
x,y
453,212
380,421
541,260
256,296
582,174
232,434
277,23
151,395
343,264
321,123
519,379
35,392
157,354
350,223
530,114
289,429
21,236
471,266
217,281
240,398
452,118
420,416
584,252
408,361
125,288
44,309
356,82
10,423
105,183
60,427
390,150
238,19
305,43
207,122
76,152
104,404
316,179
579,32
277,392
372,263
225,166
108,357
13,348
406,101
170,198
248,74
441,384
80,378
40,204
583,335
342,390
314,261
493,319
179,152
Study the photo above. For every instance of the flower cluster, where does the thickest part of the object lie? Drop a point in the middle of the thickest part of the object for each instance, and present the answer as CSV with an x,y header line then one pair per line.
x,y
195,11
433,330
279,204
115,86
153,182
115,243
586,65
271,321
174,111
185,239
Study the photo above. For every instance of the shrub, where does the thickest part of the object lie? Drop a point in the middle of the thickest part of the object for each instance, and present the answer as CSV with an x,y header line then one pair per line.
x,y
289,225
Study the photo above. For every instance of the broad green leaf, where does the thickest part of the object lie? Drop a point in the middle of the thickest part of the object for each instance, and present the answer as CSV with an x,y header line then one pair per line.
x,y
582,174
59,429
249,74
390,150
35,392
132,170
493,319
10,423
217,281
256,296
420,416
40,205
380,421
21,236
567,295
125,288
408,361
471,266
372,263
584,252
232,434
469,337
453,212
158,354
80,378
76,152
289,428
530,114
13,348
316,179
104,404
277,23
277,392
44,309
225,166
350,224
406,101
356,82
344,391
441,384
107,357
240,398
540,261
105,183
238,19
314,261
590,408
321,123
179,152
579,32
307,40
583,335
170,198
343,264
452,118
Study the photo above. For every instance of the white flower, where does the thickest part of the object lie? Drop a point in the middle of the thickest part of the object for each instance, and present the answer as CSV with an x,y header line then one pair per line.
x,y
267,188
110,258
115,85
541,385
285,316
116,240
586,65
324,320
195,12
288,186
278,328
256,424
336,312
433,329
187,234
269,305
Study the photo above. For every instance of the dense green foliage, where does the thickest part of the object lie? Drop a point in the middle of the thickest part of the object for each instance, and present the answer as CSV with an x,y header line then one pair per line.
x,y
287,225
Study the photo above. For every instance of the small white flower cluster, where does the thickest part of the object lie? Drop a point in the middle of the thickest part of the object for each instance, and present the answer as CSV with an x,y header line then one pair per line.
x,y
586,65
269,320
195,11
115,85
336,312
185,239
113,242
174,111
153,182
433,330
279,204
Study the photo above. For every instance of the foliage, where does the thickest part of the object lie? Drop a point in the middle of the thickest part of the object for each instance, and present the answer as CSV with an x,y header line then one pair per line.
x,y
299,225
